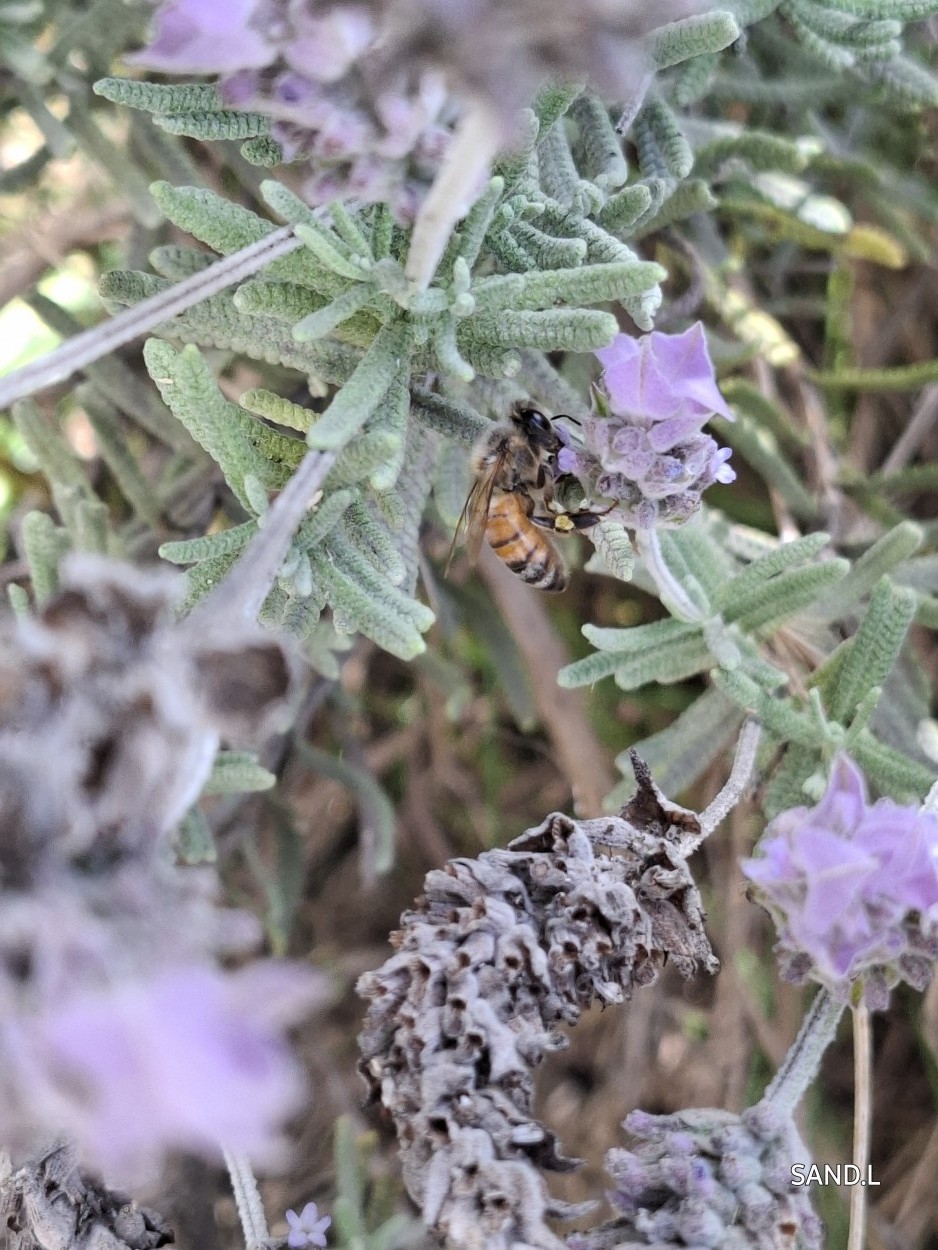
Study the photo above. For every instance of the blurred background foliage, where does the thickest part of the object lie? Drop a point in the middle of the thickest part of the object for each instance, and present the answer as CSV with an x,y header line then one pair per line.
x,y
815,270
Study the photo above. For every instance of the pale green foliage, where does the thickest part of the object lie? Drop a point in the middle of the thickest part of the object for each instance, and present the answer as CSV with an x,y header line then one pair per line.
x,y
554,256
237,772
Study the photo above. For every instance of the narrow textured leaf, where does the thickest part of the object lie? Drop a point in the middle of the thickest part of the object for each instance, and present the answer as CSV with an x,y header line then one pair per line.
x,y
875,646
365,389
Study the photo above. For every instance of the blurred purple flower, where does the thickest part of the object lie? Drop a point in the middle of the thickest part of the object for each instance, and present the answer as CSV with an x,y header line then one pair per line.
x,y
651,454
192,1060
401,71
374,133
205,37
852,888
308,1228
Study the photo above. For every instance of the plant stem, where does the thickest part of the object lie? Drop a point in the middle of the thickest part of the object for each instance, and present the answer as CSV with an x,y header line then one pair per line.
x,y
743,764
248,583
801,1064
85,348
862,1121
248,1200
475,143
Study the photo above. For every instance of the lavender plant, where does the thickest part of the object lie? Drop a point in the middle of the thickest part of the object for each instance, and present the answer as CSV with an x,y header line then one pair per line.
x,y
482,205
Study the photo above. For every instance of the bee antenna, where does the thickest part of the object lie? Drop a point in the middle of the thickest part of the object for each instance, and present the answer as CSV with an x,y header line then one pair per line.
x,y
566,417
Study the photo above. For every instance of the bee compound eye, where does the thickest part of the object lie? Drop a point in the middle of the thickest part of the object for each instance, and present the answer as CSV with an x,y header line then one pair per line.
x,y
536,420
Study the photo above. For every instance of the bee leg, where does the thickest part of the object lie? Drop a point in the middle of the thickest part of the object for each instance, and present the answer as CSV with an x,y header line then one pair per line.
x,y
556,521
585,520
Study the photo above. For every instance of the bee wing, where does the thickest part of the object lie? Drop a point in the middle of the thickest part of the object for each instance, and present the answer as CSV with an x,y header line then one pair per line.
x,y
475,513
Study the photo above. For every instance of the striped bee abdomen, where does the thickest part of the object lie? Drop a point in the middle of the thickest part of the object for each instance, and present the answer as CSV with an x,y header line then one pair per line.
x,y
527,550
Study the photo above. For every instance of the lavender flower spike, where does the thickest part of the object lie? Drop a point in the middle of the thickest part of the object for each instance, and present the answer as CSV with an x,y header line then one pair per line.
x,y
852,889
189,1060
651,454
705,1177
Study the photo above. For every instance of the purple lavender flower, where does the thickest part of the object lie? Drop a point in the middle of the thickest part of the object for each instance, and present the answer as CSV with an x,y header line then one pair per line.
x,y
366,130
707,1178
191,1060
395,76
650,454
664,377
204,37
308,1228
853,889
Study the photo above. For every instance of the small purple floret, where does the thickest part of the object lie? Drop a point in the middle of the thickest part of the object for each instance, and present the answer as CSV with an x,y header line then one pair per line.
x,y
308,1228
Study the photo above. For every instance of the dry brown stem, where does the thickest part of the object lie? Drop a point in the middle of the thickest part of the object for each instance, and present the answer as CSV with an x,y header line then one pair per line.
x,y
580,755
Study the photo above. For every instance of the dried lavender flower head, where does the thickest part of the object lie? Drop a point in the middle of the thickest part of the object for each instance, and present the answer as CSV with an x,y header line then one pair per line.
x,y
852,889
651,454
707,1178
49,1204
129,704
499,951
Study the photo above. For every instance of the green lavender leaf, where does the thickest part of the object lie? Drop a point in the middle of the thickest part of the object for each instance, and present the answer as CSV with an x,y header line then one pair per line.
x,y
188,387
372,539
193,842
785,556
890,551
194,550
112,444
176,263
324,320
768,605
184,97
778,715
446,417
275,408
555,329
682,753
693,36
875,647
237,772
358,399
225,124
224,226
657,134
58,462
44,545
592,284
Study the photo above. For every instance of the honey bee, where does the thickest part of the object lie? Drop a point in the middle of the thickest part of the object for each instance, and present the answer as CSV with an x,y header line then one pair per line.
x,y
514,467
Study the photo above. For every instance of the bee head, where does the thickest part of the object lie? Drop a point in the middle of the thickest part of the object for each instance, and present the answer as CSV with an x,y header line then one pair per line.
x,y
537,428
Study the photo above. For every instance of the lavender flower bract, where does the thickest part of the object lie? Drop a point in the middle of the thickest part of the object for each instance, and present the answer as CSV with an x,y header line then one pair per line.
x,y
365,132
852,889
651,455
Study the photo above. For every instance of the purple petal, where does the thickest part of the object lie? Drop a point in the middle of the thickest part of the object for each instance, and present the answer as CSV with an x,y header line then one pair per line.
x,y
204,37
